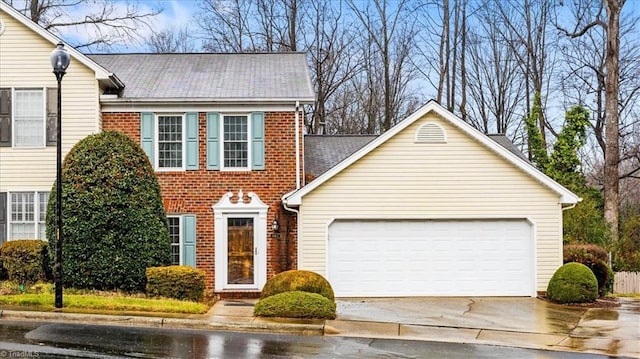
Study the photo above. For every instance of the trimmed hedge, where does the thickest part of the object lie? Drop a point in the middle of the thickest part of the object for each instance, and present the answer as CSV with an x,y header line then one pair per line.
x,y
179,282
573,283
580,252
114,224
26,261
296,304
297,280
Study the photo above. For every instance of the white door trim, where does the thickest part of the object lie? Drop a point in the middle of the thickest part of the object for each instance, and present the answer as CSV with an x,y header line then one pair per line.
x,y
255,209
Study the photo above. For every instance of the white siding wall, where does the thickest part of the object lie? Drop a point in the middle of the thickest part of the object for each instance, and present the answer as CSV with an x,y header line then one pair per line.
x,y
459,179
24,62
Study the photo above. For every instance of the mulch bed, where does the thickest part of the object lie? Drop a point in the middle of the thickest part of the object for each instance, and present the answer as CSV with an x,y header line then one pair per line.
x,y
606,302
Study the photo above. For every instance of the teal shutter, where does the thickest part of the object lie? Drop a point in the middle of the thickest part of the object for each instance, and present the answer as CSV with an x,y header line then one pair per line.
x,y
189,240
146,135
213,141
257,141
192,140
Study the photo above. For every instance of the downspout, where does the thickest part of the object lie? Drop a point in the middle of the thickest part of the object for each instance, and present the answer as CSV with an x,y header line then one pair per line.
x,y
297,126
569,207
297,212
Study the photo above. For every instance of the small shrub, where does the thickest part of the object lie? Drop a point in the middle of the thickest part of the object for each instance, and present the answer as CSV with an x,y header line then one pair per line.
x,y
296,304
573,283
580,252
299,280
595,258
179,282
26,261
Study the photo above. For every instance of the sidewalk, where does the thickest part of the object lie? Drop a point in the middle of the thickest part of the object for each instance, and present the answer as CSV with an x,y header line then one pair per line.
x,y
514,322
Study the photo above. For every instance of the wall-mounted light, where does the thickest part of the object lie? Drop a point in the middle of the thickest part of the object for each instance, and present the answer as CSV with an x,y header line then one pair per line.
x,y
275,226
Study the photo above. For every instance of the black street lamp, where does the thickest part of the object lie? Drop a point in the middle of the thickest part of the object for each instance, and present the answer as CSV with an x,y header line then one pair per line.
x,y
59,61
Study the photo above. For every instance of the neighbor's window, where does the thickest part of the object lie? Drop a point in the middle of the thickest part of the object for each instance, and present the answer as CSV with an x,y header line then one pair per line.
x,y
29,118
170,144
27,215
174,235
236,142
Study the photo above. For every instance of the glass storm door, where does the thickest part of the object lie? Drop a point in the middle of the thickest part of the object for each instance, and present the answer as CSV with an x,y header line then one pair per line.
x,y
241,251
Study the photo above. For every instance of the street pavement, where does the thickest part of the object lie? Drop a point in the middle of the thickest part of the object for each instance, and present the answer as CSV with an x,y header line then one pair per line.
x,y
511,322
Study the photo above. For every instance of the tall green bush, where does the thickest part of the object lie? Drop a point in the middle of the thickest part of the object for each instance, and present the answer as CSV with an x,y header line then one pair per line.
x,y
26,261
114,224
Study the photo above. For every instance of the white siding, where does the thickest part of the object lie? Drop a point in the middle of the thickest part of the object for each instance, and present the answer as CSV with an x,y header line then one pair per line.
x,y
457,179
24,62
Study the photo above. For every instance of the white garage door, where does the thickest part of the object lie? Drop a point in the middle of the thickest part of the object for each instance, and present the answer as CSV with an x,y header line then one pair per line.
x,y
431,258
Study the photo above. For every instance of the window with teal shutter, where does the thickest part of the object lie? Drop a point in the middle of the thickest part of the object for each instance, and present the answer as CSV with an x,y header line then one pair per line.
x,y
146,135
213,141
189,240
192,140
257,141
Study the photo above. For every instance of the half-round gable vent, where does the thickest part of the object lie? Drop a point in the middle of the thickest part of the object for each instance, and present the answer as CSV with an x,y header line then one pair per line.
x,y
431,133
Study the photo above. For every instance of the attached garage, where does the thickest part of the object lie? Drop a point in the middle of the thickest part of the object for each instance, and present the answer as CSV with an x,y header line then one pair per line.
x,y
431,207
383,258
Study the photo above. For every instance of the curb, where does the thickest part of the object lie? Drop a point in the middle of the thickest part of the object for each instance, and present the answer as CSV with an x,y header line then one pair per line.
x,y
159,322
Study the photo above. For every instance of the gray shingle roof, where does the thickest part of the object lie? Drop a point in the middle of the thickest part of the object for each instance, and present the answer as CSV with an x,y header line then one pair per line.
x,y
322,152
273,76
505,142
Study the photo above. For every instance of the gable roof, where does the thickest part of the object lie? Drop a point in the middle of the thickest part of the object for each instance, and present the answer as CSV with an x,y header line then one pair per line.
x,y
294,198
265,77
102,74
322,152
505,142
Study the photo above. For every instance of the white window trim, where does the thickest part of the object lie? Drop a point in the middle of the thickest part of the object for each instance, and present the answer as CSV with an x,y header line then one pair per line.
x,y
36,215
255,209
180,239
249,141
13,118
156,149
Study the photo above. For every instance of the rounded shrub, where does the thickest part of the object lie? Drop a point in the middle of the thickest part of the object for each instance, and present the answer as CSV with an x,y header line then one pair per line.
x,y
179,282
573,283
114,224
300,280
26,261
296,304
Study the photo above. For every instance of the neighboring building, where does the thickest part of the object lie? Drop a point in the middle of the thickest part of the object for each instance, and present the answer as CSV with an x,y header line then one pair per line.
x,y
28,105
431,207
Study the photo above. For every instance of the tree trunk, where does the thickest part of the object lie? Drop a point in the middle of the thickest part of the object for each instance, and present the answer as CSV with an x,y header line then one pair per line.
x,y
612,151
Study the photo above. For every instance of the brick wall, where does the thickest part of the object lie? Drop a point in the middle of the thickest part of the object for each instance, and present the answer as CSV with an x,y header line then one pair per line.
x,y
195,192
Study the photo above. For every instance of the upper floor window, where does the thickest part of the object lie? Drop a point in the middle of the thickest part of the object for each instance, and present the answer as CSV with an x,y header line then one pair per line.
x,y
27,213
28,117
236,142
233,141
170,141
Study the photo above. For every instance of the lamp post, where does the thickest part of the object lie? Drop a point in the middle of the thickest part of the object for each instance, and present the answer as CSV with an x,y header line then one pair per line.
x,y
59,61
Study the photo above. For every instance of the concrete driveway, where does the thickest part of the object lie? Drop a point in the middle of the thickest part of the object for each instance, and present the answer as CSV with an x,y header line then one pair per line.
x,y
519,321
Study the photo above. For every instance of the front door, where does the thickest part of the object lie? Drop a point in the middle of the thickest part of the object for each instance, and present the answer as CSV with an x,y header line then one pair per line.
x,y
241,251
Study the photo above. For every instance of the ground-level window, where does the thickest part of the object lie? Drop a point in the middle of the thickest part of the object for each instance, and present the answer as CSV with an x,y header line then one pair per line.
x,y
175,236
182,233
27,214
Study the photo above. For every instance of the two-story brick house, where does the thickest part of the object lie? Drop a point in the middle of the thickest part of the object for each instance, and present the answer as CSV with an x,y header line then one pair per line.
x,y
223,132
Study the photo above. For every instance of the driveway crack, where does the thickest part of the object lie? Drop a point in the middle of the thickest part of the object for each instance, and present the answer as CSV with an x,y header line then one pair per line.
x,y
472,302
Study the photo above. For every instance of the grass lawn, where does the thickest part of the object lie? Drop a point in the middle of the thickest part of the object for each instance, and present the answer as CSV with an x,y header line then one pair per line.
x,y
87,301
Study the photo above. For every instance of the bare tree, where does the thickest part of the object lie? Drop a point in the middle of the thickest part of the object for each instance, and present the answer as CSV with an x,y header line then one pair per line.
x,y
607,17
171,41
250,25
106,23
332,64
389,35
